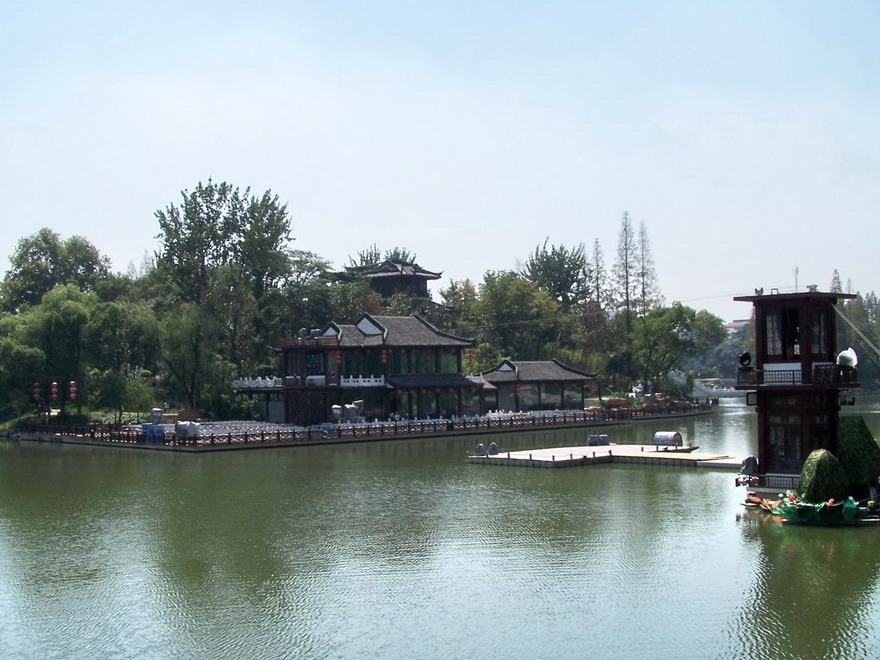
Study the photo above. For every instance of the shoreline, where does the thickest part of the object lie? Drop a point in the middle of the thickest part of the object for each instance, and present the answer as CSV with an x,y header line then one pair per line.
x,y
347,433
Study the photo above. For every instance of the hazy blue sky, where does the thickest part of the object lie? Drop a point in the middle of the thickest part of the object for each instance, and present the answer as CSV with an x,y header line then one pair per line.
x,y
746,135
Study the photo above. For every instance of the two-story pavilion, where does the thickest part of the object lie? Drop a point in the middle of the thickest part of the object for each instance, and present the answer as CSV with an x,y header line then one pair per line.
x,y
796,379
397,365
392,277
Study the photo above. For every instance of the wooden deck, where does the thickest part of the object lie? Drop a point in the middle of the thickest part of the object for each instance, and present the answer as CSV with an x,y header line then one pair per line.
x,y
555,457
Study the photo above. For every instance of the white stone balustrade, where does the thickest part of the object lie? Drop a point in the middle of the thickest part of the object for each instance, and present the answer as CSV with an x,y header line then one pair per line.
x,y
362,381
270,383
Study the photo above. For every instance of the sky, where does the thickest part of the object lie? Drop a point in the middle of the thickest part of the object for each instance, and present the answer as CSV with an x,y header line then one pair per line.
x,y
744,135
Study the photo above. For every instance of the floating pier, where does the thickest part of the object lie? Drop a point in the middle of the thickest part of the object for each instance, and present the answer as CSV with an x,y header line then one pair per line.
x,y
557,457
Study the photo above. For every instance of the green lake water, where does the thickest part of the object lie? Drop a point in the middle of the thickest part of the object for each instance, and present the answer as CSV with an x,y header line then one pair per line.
x,y
400,549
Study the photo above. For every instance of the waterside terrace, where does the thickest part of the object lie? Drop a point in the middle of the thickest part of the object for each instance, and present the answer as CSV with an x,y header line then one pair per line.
x,y
214,436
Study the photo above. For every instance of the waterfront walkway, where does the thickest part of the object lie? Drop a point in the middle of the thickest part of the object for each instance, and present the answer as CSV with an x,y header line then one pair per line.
x,y
556,457
221,436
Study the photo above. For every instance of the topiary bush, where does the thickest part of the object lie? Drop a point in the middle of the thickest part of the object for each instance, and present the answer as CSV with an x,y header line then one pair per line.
x,y
823,478
858,453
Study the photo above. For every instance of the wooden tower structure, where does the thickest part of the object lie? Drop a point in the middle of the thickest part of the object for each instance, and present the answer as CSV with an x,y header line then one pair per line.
x,y
798,379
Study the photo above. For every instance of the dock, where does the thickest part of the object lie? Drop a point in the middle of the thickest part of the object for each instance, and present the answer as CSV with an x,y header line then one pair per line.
x,y
557,457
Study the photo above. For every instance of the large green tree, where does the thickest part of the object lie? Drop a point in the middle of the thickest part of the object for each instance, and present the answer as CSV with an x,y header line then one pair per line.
x,y
42,261
562,272
217,224
21,365
225,254
57,328
666,337
516,317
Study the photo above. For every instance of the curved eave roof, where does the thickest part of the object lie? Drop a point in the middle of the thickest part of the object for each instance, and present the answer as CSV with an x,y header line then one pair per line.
x,y
381,332
535,371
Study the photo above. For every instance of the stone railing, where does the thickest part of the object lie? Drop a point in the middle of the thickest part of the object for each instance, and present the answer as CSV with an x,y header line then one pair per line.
x,y
270,383
362,381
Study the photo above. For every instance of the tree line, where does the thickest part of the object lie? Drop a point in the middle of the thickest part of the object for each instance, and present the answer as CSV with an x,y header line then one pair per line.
x,y
225,283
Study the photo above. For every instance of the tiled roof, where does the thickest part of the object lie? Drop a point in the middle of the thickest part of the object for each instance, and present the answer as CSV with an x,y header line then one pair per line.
x,y
397,268
540,371
382,331
416,331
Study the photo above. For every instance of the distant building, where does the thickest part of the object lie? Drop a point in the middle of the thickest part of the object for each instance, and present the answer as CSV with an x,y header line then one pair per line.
x,y
736,325
392,277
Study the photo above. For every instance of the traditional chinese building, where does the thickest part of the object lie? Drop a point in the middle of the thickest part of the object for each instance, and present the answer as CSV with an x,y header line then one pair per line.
x,y
392,277
797,381
547,385
397,365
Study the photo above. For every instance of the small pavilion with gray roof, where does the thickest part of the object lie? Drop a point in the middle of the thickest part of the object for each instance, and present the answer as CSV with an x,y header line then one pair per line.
x,y
538,385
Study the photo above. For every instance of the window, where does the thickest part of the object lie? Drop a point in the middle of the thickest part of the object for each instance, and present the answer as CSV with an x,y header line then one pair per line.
x,y
314,364
785,448
819,342
774,337
448,361
783,335
423,361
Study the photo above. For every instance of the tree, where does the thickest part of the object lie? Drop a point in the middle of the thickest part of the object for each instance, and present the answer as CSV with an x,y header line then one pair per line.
x,y
306,296
351,299
665,336
186,353
224,252
57,328
42,261
216,225
624,297
195,238
646,276
836,286
517,317
460,305
373,256
561,272
625,272
260,240
120,341
598,288
21,365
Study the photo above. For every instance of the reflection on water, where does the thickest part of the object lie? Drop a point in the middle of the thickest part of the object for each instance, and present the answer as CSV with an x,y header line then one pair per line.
x,y
815,593
401,549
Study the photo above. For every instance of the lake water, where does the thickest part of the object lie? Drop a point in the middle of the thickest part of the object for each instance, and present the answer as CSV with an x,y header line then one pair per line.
x,y
400,549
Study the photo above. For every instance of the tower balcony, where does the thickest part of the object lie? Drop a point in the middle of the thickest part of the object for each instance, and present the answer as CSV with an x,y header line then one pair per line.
x,y
822,374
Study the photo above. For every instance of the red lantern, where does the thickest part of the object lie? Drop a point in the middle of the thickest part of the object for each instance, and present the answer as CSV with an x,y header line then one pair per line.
x,y
54,391
37,392
338,357
71,390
